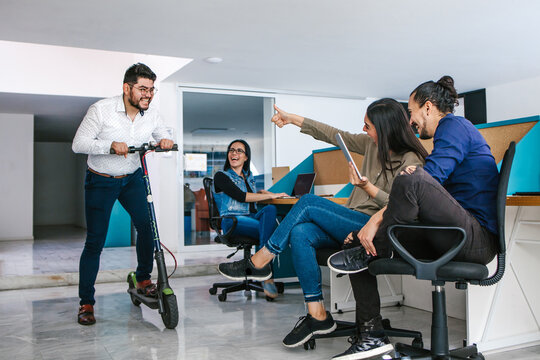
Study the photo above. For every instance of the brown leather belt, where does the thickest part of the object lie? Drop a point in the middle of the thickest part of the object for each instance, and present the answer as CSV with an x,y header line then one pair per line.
x,y
107,175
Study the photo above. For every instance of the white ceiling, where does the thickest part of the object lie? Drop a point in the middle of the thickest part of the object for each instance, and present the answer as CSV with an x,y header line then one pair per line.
x,y
353,48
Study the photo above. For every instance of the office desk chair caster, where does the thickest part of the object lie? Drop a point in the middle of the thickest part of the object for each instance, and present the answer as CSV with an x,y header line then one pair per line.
x,y
165,301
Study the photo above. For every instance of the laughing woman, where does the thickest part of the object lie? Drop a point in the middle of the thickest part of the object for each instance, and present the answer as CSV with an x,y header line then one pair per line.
x,y
234,192
388,146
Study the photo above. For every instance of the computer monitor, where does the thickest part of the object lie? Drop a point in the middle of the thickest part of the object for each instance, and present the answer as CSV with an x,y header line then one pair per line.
x,y
303,184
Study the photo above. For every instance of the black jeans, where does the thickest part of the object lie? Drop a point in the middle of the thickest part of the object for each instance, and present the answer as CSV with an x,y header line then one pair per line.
x,y
418,197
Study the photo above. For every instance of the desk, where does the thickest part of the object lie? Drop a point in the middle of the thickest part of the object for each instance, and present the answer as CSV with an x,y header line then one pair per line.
x,y
292,201
490,322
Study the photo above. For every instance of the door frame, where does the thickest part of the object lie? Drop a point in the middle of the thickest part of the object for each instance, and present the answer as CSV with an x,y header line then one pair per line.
x,y
269,150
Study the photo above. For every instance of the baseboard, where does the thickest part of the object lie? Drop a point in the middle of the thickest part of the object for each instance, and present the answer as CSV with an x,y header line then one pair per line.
x,y
17,238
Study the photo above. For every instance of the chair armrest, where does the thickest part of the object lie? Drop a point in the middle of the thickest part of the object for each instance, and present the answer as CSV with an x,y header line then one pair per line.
x,y
231,230
426,270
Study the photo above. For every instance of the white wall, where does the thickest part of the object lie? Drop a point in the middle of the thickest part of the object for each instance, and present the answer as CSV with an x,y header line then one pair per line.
x,y
102,75
513,100
55,195
17,180
292,147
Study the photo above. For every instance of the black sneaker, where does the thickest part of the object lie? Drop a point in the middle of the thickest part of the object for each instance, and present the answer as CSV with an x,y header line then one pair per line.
x,y
365,347
306,327
350,261
245,270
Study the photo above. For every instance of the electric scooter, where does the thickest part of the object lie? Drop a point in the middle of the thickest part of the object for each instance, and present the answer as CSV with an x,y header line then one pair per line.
x,y
165,301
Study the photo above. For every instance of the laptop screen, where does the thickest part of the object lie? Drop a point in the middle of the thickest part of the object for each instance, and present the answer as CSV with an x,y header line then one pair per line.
x,y
303,184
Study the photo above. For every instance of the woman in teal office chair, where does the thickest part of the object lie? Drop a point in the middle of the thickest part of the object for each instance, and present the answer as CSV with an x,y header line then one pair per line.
x,y
389,146
235,194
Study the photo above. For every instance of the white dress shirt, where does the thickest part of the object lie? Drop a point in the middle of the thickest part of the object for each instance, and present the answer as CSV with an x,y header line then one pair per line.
x,y
106,121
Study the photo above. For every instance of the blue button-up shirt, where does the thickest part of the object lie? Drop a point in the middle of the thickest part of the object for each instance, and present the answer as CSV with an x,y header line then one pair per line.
x,y
461,161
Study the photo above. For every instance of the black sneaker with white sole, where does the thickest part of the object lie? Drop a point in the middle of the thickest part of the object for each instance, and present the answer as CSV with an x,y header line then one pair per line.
x,y
245,270
306,327
372,341
351,261
365,347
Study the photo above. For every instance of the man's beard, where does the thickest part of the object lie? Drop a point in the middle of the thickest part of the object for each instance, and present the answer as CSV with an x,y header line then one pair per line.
x,y
424,135
136,104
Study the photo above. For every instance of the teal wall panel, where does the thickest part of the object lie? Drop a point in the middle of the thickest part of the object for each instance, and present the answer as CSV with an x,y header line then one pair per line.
x,y
525,175
119,233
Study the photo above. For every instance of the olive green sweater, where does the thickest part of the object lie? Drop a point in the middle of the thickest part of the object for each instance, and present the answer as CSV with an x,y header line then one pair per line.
x,y
364,145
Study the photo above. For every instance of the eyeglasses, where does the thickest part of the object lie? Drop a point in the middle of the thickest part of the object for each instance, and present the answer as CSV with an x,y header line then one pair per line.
x,y
238,151
144,90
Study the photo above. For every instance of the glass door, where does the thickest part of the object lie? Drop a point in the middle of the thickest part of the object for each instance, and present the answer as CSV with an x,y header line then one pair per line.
x,y
210,121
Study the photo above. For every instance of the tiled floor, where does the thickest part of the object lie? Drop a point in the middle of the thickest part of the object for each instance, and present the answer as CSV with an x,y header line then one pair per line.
x,y
56,249
41,324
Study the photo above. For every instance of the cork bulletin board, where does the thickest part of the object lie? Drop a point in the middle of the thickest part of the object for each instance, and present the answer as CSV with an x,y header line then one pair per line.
x,y
497,137
331,167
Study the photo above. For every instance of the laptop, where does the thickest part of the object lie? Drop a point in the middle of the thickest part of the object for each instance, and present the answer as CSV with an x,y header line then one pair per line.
x,y
303,184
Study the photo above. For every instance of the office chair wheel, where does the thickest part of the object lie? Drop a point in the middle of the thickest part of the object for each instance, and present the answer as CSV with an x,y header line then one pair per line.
x,y
247,293
418,343
280,287
134,300
222,297
310,344
212,291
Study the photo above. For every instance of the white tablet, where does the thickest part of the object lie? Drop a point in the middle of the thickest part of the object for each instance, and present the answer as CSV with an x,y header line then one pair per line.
x,y
347,154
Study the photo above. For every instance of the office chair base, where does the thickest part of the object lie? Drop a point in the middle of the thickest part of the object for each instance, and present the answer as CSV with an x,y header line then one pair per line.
x,y
468,352
246,286
346,328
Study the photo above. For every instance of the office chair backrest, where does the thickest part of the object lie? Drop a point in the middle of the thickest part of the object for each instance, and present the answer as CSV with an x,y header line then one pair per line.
x,y
214,221
504,178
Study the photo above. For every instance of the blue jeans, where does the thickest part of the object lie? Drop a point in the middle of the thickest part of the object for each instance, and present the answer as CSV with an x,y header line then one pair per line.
x,y
311,224
260,225
100,194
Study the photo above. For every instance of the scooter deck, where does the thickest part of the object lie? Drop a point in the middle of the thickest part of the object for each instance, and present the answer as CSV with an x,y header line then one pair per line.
x,y
151,302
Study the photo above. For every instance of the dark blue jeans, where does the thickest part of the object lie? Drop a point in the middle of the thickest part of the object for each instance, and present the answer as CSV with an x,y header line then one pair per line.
x,y
260,225
313,223
100,194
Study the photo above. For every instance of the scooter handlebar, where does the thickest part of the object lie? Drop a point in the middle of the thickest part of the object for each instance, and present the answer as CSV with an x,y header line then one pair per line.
x,y
147,147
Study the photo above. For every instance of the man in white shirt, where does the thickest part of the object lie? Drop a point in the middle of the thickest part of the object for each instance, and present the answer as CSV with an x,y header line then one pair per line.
x,y
115,124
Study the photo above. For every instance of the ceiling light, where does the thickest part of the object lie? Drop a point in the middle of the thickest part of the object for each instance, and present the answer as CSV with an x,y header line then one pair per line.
x,y
213,60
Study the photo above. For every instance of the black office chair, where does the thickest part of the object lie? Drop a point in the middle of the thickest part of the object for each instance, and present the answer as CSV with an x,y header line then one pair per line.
x,y
347,328
240,242
443,269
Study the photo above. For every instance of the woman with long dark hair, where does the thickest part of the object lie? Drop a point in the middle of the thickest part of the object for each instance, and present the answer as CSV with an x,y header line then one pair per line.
x,y
235,194
389,147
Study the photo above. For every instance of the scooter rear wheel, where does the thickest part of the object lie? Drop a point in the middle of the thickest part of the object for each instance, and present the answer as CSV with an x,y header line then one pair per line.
x,y
170,315
134,300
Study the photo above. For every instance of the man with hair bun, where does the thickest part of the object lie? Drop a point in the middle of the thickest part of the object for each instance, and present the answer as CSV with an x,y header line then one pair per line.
x,y
456,187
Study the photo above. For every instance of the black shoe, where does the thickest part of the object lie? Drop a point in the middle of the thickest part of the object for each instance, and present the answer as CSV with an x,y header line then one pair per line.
x,y
350,261
306,327
245,270
353,243
365,347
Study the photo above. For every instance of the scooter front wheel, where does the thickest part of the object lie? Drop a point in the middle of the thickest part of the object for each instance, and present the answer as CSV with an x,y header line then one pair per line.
x,y
170,315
